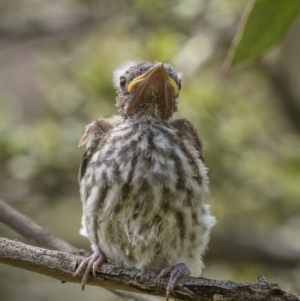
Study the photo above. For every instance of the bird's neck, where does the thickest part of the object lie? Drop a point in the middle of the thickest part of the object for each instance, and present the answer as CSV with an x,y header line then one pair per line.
x,y
143,117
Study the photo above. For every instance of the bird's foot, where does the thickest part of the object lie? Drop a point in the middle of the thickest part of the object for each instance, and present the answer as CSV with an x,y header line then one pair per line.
x,y
89,264
175,273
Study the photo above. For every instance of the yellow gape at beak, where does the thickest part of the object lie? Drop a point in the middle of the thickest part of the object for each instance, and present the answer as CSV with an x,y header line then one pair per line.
x,y
153,72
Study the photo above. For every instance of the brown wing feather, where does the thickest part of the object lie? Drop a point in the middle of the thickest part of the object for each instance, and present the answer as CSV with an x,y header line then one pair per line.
x,y
94,133
188,132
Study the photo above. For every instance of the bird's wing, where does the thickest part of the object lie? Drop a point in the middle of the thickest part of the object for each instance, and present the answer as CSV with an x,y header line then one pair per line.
x,y
94,133
188,132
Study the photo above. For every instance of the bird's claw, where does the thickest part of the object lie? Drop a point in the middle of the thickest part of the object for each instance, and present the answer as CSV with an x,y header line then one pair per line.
x,y
89,264
164,272
175,273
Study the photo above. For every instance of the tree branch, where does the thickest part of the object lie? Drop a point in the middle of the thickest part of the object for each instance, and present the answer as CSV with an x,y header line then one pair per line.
x,y
42,237
62,265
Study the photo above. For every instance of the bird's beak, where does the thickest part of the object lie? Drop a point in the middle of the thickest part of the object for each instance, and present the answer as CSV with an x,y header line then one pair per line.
x,y
154,92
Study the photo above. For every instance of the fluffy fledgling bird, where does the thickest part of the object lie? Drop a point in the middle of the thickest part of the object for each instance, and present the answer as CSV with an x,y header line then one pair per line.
x,y
143,180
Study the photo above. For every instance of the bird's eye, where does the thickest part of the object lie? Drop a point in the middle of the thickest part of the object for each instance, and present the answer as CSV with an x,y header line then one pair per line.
x,y
122,81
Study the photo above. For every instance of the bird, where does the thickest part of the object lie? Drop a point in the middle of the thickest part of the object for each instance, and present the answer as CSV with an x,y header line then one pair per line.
x,y
143,180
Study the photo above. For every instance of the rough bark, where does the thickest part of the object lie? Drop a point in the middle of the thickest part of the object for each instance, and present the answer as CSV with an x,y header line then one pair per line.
x,y
62,265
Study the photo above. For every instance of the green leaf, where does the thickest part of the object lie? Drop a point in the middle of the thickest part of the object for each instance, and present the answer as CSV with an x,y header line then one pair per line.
x,y
262,25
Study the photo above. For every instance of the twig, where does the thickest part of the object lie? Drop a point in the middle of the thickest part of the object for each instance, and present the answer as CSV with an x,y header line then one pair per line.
x,y
62,265
31,231
237,38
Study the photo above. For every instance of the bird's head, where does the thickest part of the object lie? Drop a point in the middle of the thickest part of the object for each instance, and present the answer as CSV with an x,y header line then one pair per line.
x,y
147,89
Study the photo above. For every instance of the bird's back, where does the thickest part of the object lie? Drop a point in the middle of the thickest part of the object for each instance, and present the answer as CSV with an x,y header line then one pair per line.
x,y
143,194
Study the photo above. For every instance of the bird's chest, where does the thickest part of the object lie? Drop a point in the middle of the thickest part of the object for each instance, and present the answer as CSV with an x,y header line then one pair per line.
x,y
144,188
141,168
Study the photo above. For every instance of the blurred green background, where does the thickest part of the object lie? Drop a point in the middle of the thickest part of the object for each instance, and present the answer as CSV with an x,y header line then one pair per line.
x,y
56,63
